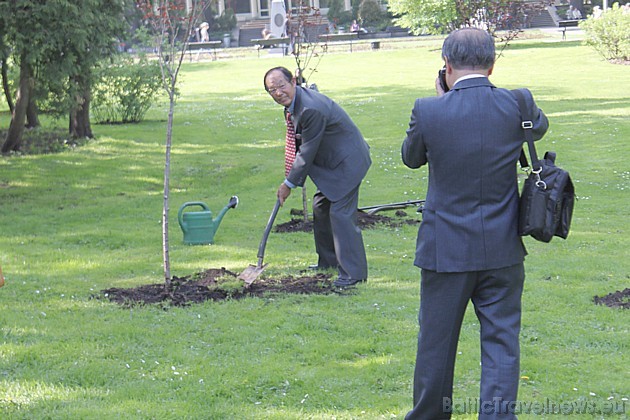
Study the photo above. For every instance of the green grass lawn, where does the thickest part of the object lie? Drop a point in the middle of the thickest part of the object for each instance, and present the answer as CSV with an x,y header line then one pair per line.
x,y
88,219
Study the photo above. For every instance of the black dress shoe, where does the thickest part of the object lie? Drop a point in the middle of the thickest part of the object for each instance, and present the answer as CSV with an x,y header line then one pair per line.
x,y
347,282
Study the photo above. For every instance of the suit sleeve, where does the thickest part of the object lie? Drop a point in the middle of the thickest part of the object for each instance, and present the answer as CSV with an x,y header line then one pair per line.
x,y
414,152
540,123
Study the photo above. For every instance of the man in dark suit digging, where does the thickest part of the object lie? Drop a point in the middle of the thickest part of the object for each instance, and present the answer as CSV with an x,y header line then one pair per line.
x,y
324,144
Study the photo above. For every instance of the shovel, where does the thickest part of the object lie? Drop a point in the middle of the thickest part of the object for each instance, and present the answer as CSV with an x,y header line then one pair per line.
x,y
252,272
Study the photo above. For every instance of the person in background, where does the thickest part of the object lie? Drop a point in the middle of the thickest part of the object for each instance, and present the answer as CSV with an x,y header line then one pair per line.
x,y
573,13
324,144
266,32
203,32
468,246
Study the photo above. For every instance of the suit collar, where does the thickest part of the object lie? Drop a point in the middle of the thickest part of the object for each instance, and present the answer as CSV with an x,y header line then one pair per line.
x,y
469,76
297,99
291,108
473,82
294,109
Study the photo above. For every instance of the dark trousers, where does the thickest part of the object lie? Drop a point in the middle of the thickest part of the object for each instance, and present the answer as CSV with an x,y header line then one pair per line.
x,y
496,296
338,239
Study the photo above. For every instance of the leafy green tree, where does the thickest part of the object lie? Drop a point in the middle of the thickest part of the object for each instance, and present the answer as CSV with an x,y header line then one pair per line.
x,y
57,45
425,16
443,16
337,14
226,22
5,53
370,14
609,34
95,39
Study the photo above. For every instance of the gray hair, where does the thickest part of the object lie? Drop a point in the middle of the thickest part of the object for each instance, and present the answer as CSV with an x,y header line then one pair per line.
x,y
469,49
285,72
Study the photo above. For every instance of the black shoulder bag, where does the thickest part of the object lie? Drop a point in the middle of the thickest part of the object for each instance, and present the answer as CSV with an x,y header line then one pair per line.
x,y
546,202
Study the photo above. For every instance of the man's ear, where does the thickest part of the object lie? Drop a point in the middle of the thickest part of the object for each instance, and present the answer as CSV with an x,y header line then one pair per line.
x,y
449,68
490,70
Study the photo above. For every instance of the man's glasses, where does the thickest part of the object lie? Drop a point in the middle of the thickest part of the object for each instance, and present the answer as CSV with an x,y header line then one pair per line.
x,y
273,91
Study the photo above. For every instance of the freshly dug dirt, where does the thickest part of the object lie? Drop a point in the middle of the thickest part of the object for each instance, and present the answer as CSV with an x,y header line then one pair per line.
x,y
365,221
615,300
221,284
217,284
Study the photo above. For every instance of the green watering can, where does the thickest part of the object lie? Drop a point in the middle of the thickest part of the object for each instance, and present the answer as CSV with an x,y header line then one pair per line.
x,y
198,226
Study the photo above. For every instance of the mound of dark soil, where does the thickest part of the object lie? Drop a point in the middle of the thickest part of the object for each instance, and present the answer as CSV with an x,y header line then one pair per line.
x,y
365,221
217,284
221,284
615,300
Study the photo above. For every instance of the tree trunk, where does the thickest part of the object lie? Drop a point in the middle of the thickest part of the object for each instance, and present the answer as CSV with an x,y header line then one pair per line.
x,y
5,84
16,128
79,126
32,117
167,176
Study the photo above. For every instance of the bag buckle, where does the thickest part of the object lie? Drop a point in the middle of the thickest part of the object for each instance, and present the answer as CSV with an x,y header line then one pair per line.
x,y
527,125
539,182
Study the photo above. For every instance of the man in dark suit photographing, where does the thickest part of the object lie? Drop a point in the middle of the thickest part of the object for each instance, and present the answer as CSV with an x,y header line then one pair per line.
x,y
324,144
468,247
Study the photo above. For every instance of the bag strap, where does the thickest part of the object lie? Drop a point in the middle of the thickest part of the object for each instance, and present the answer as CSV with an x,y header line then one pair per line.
x,y
527,125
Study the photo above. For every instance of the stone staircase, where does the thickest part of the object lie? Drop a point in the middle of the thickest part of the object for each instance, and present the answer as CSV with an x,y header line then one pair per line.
x,y
251,30
544,19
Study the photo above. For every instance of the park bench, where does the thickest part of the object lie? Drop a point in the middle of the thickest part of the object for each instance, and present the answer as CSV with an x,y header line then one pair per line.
x,y
564,24
339,39
203,47
271,42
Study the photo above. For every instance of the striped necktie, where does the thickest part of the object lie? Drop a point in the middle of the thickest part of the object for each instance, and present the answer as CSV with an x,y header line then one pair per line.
x,y
289,148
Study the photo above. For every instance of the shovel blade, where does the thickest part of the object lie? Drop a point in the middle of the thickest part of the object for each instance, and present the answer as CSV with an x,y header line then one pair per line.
x,y
251,273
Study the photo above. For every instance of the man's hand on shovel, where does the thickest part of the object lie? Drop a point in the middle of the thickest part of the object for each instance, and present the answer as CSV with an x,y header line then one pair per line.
x,y
283,192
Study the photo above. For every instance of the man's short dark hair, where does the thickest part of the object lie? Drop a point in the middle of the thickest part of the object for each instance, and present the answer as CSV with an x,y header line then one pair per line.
x,y
470,49
285,71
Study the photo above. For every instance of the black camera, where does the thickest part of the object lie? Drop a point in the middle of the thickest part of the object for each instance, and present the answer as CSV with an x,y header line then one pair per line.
x,y
442,76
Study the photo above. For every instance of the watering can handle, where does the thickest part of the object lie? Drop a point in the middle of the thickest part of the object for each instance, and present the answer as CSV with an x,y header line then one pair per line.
x,y
180,213
263,242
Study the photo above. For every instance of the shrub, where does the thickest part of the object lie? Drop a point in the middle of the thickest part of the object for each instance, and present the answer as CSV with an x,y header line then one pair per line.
x,y
371,15
337,14
125,90
609,34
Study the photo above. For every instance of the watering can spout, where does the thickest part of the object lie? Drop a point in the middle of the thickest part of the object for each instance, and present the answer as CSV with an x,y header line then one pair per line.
x,y
230,205
199,227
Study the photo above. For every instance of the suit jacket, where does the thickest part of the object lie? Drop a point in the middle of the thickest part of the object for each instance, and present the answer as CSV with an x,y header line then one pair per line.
x,y
331,149
471,137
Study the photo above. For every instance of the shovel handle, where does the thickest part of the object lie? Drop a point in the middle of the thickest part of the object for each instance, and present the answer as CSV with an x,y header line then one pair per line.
x,y
263,242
